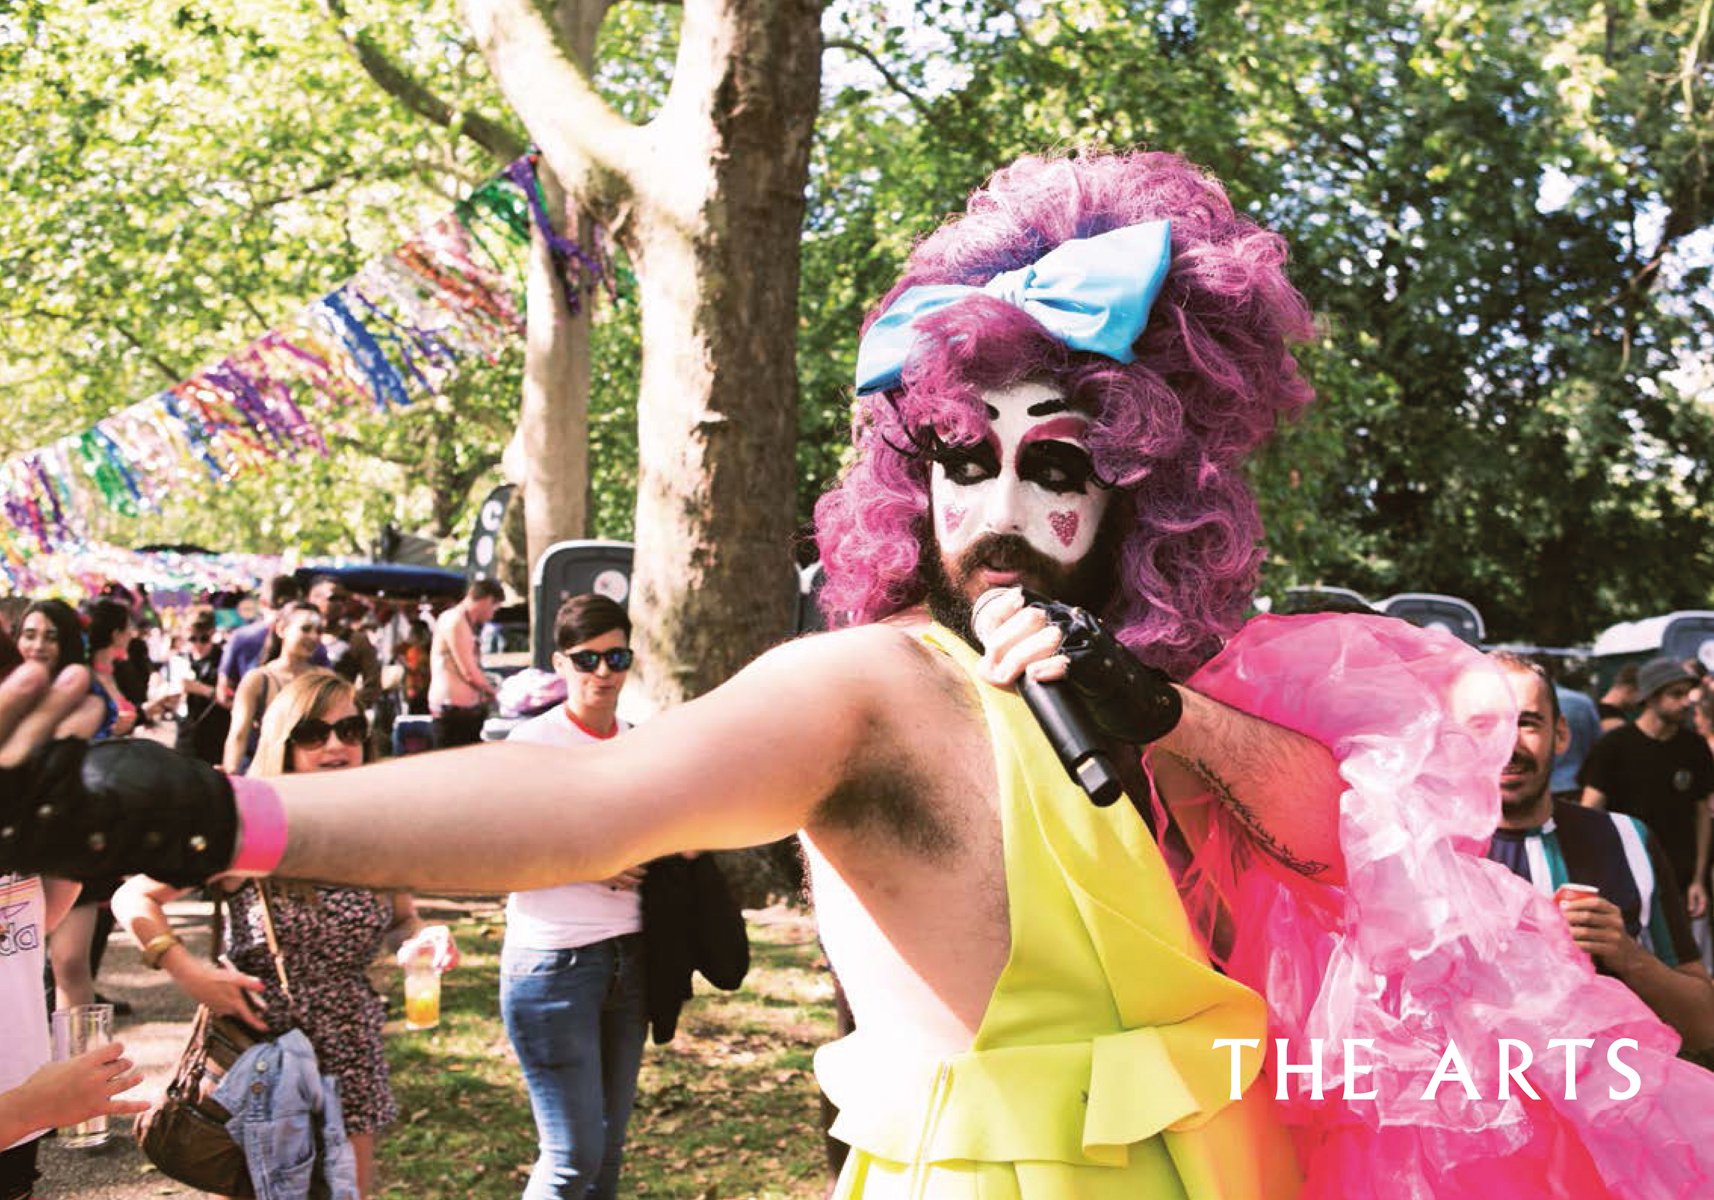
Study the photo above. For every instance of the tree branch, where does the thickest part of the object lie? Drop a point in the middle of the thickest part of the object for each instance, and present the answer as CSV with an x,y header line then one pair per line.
x,y
173,375
588,146
408,90
328,182
874,60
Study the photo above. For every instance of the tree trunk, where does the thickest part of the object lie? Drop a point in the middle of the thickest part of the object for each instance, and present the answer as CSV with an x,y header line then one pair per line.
x,y
717,270
553,418
708,201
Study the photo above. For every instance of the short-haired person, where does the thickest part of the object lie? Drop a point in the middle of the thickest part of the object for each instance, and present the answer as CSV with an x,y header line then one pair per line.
x,y
350,653
243,651
1636,928
1060,394
1657,770
459,692
572,984
193,675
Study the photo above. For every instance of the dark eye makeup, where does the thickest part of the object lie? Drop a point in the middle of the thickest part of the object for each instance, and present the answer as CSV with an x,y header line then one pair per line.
x,y
1056,466
966,465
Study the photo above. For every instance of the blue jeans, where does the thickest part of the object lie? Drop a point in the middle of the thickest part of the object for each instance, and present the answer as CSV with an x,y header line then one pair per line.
x,y
576,1019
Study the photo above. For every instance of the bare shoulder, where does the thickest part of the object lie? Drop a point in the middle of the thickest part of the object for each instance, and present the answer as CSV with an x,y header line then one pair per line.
x,y
881,671
843,652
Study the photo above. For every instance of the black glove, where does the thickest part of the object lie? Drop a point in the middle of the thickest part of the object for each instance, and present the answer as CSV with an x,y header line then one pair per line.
x,y
129,806
1126,699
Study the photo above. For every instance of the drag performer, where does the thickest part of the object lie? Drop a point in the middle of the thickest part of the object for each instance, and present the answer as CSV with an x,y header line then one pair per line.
x,y
1059,395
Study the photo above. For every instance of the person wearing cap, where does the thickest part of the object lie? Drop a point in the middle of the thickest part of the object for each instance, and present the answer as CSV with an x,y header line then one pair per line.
x,y
1605,870
1657,770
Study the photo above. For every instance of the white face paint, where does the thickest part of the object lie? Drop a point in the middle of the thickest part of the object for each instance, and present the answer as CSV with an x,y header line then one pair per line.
x,y
1031,477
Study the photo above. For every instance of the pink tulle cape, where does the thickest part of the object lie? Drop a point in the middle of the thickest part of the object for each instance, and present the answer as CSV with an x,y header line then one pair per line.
x,y
1427,943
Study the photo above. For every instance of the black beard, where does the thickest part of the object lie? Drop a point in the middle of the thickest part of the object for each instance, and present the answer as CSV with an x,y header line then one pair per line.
x,y
1514,810
1517,809
1092,582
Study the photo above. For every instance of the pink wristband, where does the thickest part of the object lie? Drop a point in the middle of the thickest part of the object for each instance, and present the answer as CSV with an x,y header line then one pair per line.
x,y
261,826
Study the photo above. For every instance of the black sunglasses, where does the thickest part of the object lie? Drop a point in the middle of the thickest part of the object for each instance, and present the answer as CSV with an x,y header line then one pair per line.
x,y
312,733
586,661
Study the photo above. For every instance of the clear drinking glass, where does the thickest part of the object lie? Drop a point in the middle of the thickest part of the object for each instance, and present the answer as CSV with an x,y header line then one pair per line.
x,y
78,1029
422,993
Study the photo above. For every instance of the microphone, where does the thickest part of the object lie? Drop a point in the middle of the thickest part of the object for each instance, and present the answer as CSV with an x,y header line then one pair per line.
x,y
1060,712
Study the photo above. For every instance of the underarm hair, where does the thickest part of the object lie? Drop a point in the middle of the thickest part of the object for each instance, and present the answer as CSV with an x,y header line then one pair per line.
x,y
1252,824
884,789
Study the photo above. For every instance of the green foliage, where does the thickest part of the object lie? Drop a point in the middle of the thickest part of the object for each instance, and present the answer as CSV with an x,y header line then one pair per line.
x,y
1486,204
183,178
614,378
1499,412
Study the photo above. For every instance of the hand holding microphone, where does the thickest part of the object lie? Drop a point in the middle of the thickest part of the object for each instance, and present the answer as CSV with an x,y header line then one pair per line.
x,y
1077,680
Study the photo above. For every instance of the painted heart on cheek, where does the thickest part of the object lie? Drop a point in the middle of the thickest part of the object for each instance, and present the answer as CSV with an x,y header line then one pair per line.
x,y
953,517
1064,526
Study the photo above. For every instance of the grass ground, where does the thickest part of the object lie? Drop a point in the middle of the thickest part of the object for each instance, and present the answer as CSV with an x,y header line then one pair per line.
x,y
728,1109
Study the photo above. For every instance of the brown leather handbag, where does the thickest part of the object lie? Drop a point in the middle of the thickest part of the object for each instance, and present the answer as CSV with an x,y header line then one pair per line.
x,y
184,1135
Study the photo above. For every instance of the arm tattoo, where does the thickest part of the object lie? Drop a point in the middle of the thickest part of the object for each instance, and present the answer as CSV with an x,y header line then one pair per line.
x,y
1253,824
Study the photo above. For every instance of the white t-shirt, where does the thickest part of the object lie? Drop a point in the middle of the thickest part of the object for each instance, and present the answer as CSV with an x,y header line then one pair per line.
x,y
572,914
23,1013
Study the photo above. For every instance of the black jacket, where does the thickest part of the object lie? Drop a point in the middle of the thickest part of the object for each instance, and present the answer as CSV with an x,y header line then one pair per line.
x,y
690,923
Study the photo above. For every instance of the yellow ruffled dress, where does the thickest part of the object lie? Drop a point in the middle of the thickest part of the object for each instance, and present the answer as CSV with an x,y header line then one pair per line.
x,y
1094,1074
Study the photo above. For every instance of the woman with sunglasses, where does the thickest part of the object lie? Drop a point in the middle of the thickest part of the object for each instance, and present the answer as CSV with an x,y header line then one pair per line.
x,y
328,936
287,654
571,969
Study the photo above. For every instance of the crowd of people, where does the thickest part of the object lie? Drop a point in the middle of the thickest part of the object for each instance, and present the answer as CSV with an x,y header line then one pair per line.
x,y
1612,793
296,691
1051,999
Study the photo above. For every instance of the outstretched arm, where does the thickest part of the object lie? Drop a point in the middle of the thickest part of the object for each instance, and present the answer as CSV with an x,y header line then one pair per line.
x,y
70,1091
745,764
748,763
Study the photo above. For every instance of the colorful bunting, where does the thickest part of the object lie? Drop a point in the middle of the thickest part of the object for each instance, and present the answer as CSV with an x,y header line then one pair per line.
x,y
85,571
396,331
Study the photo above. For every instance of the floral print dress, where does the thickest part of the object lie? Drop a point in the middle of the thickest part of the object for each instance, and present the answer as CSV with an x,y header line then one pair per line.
x,y
328,942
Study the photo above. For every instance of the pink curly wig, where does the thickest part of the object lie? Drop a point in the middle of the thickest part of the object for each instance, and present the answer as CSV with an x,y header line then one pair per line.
x,y
1170,432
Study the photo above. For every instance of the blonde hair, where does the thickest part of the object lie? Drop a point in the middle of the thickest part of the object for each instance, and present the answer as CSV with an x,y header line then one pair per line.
x,y
315,693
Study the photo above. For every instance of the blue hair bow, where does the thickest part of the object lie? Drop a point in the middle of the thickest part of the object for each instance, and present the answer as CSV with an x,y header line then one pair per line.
x,y
1090,293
